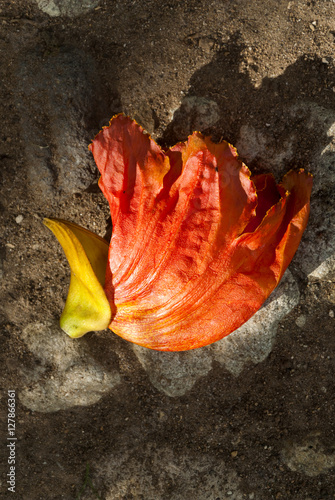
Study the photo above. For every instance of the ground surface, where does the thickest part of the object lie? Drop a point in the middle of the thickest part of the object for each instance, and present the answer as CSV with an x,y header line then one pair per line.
x,y
251,417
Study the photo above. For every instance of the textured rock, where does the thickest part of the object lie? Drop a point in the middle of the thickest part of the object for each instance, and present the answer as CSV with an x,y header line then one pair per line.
x,y
174,373
308,457
130,476
76,378
301,321
254,144
321,225
195,113
68,8
251,143
55,98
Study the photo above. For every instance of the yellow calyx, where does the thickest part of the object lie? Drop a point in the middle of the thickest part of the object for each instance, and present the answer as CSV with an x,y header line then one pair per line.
x,y
87,308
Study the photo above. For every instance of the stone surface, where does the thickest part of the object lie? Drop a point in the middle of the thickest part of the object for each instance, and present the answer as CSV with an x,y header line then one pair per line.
x,y
55,99
191,476
174,373
195,113
308,457
55,8
256,144
321,227
76,379
301,321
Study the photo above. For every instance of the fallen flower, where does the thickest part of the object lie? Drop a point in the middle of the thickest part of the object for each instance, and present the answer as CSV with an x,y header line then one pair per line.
x,y
197,246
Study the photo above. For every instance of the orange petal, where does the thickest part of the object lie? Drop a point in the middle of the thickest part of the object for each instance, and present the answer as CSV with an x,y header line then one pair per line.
x,y
197,244
299,184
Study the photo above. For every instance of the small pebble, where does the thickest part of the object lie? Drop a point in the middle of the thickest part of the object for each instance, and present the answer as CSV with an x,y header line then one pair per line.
x,y
331,313
19,219
300,321
234,454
